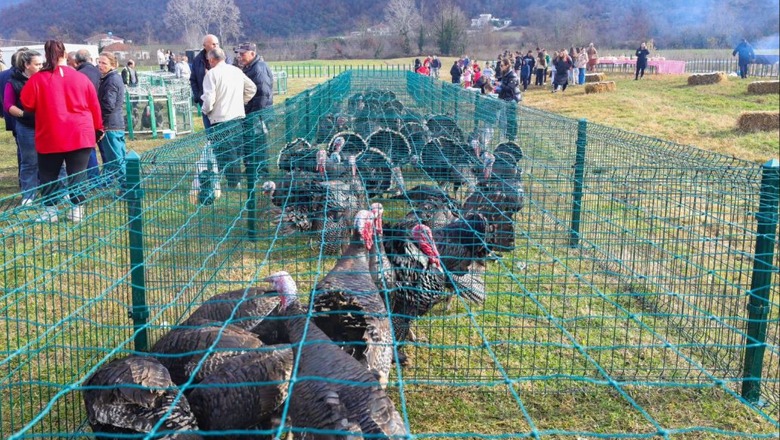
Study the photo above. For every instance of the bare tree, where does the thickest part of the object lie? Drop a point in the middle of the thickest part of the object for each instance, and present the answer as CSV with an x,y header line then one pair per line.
x,y
449,29
197,18
404,19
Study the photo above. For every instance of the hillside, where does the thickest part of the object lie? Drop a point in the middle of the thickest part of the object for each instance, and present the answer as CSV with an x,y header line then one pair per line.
x,y
615,23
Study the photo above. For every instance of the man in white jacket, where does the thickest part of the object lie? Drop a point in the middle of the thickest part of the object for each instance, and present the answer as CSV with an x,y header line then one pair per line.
x,y
225,92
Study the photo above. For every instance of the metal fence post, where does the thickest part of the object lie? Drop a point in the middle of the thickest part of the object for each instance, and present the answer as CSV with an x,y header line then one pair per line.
x,y
153,116
129,113
579,175
758,303
134,197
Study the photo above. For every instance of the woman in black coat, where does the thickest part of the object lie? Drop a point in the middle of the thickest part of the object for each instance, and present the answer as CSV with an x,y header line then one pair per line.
x,y
562,64
509,91
455,72
641,61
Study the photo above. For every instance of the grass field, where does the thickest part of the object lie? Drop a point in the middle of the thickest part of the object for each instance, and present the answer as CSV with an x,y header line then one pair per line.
x,y
524,361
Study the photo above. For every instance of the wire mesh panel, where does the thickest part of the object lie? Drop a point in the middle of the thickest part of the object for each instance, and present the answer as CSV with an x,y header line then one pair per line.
x,y
541,277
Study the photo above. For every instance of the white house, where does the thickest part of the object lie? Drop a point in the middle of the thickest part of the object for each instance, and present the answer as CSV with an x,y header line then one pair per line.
x,y
485,20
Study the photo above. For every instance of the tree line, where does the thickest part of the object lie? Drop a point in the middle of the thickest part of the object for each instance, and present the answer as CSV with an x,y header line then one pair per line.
x,y
337,28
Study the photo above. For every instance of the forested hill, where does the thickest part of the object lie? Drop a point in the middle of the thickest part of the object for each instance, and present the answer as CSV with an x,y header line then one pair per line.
x,y
691,23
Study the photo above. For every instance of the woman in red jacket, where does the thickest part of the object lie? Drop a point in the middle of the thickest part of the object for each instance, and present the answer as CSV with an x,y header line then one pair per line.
x,y
67,126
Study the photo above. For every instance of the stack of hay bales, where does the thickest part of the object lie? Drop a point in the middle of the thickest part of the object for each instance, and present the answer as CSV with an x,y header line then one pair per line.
x,y
706,78
764,87
600,87
758,121
595,77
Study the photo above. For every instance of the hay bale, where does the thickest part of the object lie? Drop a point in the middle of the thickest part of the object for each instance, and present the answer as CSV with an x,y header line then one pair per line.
x,y
698,79
764,87
758,121
595,77
600,87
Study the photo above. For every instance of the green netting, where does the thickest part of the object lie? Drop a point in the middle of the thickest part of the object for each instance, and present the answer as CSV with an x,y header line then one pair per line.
x,y
641,298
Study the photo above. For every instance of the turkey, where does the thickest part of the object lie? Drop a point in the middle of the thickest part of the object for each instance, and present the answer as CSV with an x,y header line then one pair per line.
x,y
323,207
182,349
334,391
346,144
499,196
398,151
444,161
245,308
443,125
132,395
351,309
432,264
431,206
378,173
297,155
378,263
244,392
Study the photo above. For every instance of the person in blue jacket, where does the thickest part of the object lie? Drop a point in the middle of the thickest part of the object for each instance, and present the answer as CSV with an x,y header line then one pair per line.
x,y
746,56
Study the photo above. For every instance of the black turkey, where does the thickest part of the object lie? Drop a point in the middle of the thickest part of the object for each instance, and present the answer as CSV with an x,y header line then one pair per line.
x,y
244,308
182,349
297,155
446,162
498,197
292,199
132,395
334,391
244,392
324,208
351,308
418,256
347,144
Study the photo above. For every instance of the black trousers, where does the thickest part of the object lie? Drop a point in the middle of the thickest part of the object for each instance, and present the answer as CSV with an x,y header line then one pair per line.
x,y
539,77
640,68
49,166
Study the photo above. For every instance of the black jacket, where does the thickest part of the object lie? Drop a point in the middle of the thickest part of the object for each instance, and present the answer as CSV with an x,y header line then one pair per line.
x,y
455,72
198,72
111,95
509,86
92,73
260,74
641,57
18,80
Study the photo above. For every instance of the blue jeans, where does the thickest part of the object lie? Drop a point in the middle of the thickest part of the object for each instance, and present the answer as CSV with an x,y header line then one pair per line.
x,y
582,76
28,163
93,170
112,147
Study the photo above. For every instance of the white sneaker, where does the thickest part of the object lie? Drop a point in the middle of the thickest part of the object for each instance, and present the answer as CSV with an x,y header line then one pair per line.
x,y
76,214
49,215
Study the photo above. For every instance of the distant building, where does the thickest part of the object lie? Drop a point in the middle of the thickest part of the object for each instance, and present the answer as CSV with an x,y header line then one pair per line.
x,y
124,51
485,20
380,30
103,40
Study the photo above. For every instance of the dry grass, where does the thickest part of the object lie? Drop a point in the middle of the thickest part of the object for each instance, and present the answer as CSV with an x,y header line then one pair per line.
x,y
758,121
665,107
699,79
764,87
600,87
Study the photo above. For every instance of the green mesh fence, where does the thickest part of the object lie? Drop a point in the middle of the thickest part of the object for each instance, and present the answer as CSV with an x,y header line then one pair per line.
x,y
640,300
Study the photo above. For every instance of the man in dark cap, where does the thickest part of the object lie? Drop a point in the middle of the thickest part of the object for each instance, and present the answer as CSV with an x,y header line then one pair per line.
x,y
255,130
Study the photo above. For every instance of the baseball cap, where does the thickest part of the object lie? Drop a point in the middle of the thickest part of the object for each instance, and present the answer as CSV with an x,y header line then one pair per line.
x,y
246,47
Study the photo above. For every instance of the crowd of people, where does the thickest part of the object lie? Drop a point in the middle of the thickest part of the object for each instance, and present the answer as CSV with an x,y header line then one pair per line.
x,y
63,108
562,67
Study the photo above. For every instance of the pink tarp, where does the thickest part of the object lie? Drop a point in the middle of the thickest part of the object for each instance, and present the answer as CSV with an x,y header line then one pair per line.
x,y
660,65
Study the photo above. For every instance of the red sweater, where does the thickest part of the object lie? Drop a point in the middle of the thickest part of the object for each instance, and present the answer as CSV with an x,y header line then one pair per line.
x,y
67,110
